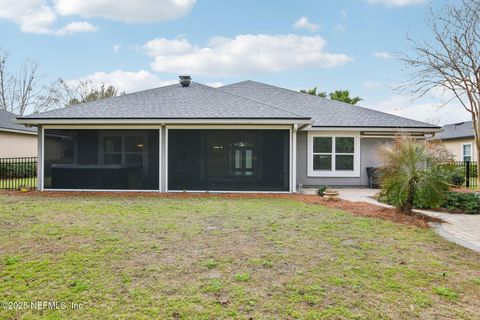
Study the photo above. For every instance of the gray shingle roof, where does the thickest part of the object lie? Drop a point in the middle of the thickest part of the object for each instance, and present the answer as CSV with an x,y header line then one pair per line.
x,y
6,122
456,131
324,112
172,102
243,100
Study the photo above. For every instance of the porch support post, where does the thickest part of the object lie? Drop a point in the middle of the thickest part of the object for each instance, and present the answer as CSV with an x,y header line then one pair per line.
x,y
163,159
40,142
293,174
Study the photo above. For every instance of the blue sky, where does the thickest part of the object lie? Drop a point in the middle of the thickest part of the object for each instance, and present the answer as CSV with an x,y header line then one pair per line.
x,y
348,44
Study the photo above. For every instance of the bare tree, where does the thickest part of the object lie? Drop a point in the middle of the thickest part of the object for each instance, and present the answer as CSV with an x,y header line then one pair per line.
x,y
450,61
68,93
23,91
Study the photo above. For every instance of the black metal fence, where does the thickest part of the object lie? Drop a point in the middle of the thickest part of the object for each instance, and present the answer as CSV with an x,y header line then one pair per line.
x,y
469,169
17,173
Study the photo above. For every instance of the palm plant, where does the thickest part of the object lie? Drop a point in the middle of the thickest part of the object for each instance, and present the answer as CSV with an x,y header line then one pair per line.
x,y
413,173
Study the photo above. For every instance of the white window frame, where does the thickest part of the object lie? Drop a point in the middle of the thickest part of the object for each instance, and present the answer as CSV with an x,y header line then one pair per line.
x,y
355,173
471,151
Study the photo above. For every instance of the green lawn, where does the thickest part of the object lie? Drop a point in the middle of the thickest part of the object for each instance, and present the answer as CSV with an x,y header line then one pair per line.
x,y
218,258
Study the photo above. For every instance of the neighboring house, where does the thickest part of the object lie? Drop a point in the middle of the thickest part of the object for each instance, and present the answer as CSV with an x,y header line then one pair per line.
x,y
244,137
16,141
459,140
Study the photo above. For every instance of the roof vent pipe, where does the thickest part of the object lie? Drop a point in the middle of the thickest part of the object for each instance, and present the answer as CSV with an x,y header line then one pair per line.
x,y
185,81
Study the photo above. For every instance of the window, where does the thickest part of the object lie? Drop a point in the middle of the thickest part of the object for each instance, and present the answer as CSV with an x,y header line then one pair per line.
x,y
126,149
333,155
467,152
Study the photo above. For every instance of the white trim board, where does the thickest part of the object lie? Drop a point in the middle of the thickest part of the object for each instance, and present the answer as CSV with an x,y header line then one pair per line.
x,y
161,121
18,131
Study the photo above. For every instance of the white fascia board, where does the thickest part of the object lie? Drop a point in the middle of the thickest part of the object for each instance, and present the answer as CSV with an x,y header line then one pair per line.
x,y
161,121
18,131
374,129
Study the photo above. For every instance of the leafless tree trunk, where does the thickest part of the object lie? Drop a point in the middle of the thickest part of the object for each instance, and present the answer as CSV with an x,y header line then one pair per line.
x,y
450,61
23,92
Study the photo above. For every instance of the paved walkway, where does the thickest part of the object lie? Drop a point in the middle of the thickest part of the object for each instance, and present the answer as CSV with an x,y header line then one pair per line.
x,y
463,229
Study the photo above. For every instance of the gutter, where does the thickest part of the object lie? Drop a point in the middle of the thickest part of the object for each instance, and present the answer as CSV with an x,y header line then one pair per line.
x,y
160,121
18,131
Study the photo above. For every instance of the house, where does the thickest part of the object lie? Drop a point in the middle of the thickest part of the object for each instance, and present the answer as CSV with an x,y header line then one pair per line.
x,y
243,137
458,139
16,141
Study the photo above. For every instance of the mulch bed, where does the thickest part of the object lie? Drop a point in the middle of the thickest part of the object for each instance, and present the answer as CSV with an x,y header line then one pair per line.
x,y
464,190
358,208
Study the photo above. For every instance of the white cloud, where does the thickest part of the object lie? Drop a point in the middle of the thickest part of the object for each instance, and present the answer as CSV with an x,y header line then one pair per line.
x,y
127,11
372,85
40,16
35,16
343,13
303,23
125,80
116,47
340,27
75,27
429,110
243,54
397,3
382,55
165,47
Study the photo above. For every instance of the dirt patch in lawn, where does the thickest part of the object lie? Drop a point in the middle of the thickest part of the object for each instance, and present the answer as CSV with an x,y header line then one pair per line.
x,y
357,208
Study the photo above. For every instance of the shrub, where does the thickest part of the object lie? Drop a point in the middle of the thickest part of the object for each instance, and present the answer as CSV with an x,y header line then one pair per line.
x,y
321,190
413,174
458,177
465,202
13,170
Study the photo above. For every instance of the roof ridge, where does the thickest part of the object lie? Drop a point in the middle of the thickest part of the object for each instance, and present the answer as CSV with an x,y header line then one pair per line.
x,y
330,100
256,101
267,104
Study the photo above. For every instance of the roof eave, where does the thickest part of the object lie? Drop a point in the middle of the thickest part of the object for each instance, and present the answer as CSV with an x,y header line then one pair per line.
x,y
376,128
18,131
160,121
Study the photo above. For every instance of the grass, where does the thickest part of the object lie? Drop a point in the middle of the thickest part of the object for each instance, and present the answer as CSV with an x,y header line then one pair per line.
x,y
218,258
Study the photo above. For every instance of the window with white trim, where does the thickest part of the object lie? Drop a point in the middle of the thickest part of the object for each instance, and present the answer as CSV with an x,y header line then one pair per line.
x,y
333,155
467,152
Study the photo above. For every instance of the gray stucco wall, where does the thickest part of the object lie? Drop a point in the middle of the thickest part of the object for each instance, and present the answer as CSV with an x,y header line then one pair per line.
x,y
368,158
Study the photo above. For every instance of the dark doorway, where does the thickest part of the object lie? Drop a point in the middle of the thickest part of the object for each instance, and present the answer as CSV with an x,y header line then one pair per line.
x,y
228,160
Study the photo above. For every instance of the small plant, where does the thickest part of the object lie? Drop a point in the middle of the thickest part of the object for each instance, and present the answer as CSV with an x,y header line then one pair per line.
x,y
244,277
215,285
11,260
321,190
267,264
445,292
211,264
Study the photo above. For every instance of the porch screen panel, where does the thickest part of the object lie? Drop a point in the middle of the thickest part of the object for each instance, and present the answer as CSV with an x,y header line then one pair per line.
x,y
101,159
228,160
